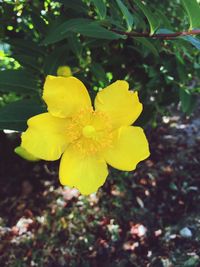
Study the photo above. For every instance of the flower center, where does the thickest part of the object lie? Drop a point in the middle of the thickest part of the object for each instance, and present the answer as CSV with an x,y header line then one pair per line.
x,y
89,131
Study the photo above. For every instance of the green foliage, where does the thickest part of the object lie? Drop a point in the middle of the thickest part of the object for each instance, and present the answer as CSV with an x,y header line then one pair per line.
x,y
152,19
193,10
95,39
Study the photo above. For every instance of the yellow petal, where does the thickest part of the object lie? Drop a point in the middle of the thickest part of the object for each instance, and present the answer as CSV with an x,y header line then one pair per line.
x,y
130,146
86,173
65,96
119,103
45,137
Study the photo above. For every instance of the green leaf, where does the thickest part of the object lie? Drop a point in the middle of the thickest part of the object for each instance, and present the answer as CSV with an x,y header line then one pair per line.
x,y
26,47
28,62
145,42
59,32
39,23
55,59
152,19
18,81
83,26
100,7
75,45
77,5
193,40
95,30
192,8
127,15
188,101
99,74
14,116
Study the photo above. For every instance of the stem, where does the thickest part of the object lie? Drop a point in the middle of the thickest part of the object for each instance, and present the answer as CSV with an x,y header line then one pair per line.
x,y
159,35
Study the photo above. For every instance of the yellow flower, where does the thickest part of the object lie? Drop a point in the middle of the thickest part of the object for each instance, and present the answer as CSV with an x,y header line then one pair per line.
x,y
87,139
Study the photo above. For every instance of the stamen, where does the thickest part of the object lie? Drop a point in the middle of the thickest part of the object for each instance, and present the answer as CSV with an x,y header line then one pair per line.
x,y
90,132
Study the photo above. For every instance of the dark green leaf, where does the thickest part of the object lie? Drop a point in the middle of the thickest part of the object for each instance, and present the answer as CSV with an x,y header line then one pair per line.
x,y
188,101
152,19
145,42
96,31
77,5
85,27
194,41
28,62
127,15
39,23
99,74
61,31
18,81
14,116
192,8
26,47
100,7
55,59
75,45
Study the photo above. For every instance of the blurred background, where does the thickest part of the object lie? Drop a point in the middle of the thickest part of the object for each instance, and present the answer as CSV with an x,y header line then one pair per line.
x,y
148,217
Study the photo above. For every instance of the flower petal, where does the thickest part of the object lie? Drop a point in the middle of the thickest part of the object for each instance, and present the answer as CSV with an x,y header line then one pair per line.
x,y
129,148
86,173
45,137
65,96
119,103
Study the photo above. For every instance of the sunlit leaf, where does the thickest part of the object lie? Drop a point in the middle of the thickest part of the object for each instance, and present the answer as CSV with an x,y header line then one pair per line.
x,y
100,7
126,13
152,19
192,8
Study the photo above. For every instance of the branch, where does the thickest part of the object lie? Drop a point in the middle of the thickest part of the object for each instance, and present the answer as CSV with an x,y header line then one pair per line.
x,y
158,35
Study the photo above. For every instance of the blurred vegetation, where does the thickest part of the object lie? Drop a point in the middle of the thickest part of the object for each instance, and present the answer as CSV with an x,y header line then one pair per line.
x,y
39,36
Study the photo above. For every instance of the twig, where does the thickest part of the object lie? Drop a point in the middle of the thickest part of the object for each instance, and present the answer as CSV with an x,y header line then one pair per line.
x,y
158,35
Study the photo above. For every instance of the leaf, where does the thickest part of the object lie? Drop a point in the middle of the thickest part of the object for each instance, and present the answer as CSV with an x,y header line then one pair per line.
x,y
76,5
95,30
28,62
193,40
152,19
148,45
83,26
188,101
99,73
18,81
192,8
57,58
39,23
101,8
127,15
75,45
14,116
59,32
27,47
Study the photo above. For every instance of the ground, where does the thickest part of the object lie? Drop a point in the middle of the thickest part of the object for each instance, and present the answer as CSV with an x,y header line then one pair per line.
x,y
149,217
